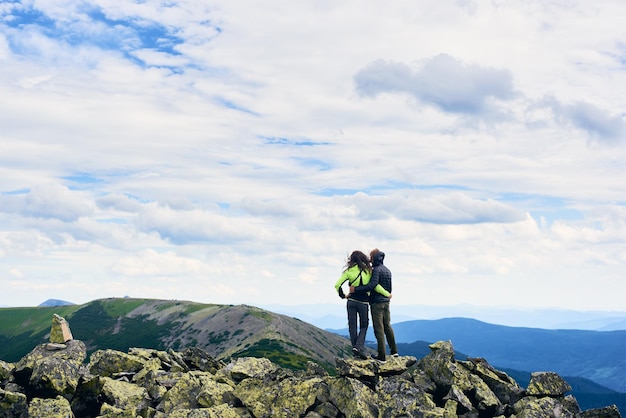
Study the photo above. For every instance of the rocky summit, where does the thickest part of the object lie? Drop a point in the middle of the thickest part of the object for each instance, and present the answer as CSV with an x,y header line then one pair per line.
x,y
56,380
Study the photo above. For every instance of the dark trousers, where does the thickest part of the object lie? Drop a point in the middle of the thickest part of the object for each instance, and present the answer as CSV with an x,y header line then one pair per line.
x,y
357,310
381,319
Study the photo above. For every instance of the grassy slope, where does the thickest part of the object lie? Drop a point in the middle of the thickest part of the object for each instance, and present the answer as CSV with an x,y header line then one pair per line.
x,y
222,330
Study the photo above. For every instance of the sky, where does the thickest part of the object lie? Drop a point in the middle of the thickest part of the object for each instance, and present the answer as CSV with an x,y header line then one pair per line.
x,y
237,152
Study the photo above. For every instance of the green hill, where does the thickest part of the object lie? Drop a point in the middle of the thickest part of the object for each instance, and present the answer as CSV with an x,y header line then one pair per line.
x,y
224,331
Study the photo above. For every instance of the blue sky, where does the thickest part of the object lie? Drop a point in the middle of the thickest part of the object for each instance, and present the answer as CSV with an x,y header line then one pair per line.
x,y
226,154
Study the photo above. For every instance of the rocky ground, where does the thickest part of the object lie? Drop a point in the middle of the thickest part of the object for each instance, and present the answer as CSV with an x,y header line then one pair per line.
x,y
53,380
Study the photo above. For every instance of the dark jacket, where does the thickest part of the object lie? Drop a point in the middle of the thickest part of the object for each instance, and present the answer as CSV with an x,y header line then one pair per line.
x,y
380,275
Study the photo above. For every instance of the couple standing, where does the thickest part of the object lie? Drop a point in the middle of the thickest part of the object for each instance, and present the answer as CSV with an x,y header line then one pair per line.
x,y
370,283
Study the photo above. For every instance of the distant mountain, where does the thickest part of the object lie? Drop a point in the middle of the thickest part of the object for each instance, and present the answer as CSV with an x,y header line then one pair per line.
x,y
224,331
588,393
55,302
598,356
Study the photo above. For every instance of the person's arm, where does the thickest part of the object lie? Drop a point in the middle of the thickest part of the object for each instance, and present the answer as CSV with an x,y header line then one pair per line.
x,y
382,291
340,282
370,285
373,285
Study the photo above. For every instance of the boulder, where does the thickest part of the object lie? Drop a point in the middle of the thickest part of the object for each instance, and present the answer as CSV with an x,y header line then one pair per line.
x,y
6,371
198,359
48,373
353,398
547,384
606,412
398,395
286,397
246,367
111,363
502,385
13,405
545,407
58,407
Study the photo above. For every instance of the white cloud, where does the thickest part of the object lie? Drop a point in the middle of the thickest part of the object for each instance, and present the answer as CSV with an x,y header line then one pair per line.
x,y
441,81
190,143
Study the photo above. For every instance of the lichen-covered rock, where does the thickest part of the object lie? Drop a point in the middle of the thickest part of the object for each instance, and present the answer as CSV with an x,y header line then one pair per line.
x,y
353,398
124,395
6,370
502,385
218,411
49,373
58,407
547,384
110,411
184,394
398,395
289,397
13,405
60,330
371,369
108,363
606,412
545,407
198,359
439,365
246,367
215,393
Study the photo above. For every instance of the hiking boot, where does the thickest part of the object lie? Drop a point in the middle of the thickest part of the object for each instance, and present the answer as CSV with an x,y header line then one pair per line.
x,y
379,359
358,354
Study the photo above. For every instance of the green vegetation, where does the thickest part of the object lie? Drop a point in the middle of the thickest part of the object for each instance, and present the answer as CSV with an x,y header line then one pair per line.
x,y
121,307
15,321
275,351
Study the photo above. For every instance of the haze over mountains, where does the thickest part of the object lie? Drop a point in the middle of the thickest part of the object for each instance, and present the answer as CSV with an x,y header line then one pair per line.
x,y
332,316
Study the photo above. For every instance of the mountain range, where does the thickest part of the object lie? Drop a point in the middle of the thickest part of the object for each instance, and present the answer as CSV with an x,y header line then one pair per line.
x,y
231,331
596,355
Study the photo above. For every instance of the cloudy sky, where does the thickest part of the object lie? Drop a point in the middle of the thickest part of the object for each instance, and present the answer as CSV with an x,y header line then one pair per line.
x,y
237,152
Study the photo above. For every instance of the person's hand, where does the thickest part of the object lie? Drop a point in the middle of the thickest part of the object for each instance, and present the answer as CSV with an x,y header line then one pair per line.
x,y
390,295
351,289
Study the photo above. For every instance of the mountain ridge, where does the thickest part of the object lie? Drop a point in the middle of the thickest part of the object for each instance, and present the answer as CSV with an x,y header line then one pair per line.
x,y
596,355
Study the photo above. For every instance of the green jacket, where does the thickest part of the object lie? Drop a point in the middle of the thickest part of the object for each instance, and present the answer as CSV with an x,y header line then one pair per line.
x,y
351,276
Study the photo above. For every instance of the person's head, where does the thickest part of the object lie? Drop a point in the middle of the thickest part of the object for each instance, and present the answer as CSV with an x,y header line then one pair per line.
x,y
358,258
376,257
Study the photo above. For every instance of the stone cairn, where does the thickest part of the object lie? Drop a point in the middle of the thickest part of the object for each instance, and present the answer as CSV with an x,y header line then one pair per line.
x,y
53,381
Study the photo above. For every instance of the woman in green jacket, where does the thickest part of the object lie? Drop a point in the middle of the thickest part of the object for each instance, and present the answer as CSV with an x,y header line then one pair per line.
x,y
357,272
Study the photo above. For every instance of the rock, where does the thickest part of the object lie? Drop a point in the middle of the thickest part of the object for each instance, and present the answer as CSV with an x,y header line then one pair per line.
x,y
246,367
58,407
353,398
198,359
546,407
60,331
111,362
606,412
219,411
191,389
370,369
160,384
504,387
399,395
124,395
6,370
287,397
13,405
547,384
50,373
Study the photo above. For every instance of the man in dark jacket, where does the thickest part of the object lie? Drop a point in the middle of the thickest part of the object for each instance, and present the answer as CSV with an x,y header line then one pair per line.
x,y
381,315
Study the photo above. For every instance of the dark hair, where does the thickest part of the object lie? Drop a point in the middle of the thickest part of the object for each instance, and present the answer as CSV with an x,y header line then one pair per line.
x,y
357,258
